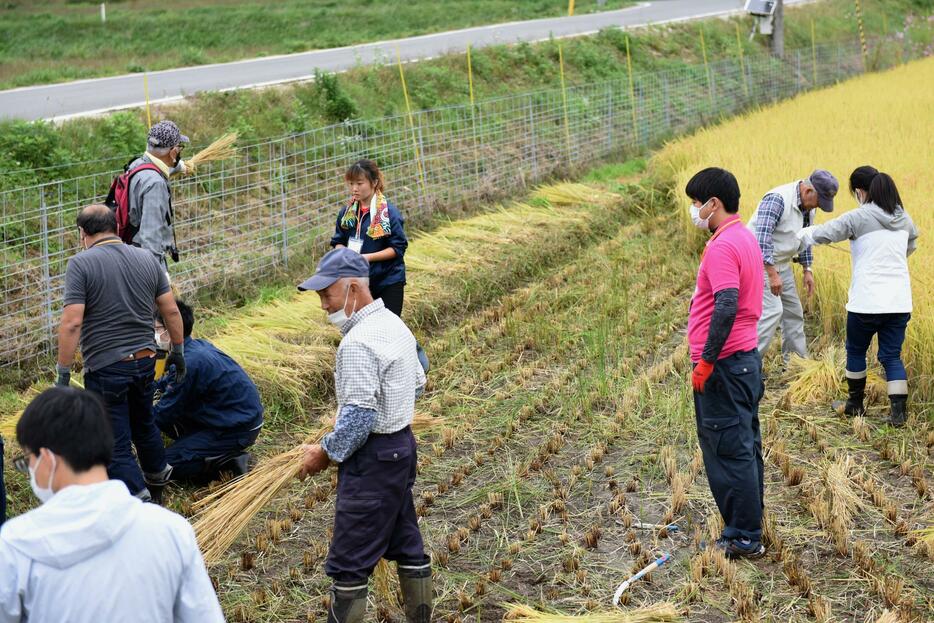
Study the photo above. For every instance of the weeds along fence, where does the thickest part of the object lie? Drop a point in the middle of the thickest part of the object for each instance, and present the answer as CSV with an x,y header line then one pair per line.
x,y
242,218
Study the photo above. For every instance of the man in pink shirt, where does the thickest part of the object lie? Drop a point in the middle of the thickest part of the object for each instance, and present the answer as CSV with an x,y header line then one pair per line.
x,y
727,376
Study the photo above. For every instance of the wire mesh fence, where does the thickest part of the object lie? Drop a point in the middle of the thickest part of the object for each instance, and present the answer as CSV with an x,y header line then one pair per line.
x,y
243,217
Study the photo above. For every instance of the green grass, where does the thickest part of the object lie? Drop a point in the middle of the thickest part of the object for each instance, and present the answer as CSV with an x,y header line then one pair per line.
x,y
56,40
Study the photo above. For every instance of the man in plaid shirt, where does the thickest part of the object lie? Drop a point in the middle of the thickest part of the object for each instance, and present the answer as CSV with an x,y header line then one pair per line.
x,y
377,378
782,213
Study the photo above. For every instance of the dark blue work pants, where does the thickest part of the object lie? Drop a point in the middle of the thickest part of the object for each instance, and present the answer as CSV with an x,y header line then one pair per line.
x,y
374,514
194,444
727,415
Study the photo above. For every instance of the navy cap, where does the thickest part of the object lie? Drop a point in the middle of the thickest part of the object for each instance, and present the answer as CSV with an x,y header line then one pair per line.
x,y
336,264
826,186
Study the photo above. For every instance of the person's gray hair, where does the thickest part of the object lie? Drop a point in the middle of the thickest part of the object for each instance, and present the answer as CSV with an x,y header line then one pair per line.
x,y
157,151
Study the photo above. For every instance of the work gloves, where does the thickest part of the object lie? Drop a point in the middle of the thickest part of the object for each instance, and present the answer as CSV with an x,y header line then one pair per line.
x,y
701,373
64,375
177,358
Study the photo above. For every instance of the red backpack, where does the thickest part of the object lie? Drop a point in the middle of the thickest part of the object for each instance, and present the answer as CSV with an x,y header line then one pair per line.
x,y
118,199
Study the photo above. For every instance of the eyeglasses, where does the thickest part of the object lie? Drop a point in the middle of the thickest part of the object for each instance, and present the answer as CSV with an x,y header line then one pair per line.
x,y
21,464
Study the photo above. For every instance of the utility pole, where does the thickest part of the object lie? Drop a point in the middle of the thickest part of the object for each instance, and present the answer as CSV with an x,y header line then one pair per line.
x,y
778,30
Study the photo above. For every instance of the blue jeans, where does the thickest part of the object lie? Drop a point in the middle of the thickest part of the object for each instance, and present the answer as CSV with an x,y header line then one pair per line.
x,y
127,388
891,331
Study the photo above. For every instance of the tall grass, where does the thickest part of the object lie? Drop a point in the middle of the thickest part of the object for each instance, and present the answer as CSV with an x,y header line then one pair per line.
x,y
878,119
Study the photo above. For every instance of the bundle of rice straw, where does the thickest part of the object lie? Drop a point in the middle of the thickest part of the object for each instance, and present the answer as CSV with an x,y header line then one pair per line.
x,y
223,515
659,612
221,149
816,380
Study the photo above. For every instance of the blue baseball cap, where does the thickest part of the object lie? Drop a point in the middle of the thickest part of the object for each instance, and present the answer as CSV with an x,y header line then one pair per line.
x,y
336,264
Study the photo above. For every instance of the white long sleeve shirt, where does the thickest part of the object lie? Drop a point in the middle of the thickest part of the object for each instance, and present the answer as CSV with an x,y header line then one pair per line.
x,y
880,244
95,553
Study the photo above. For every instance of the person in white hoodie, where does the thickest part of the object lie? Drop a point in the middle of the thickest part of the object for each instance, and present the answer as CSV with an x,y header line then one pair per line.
x,y
881,236
92,552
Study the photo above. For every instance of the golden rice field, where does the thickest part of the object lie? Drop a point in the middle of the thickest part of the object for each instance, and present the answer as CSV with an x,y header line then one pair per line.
x,y
885,120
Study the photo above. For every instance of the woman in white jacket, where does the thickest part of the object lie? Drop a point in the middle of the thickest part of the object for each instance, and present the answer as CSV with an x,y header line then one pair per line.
x,y
881,236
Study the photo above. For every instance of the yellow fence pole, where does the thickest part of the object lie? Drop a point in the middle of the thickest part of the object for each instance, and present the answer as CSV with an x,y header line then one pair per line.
x,y
862,35
814,52
470,76
408,108
632,93
564,99
570,7
742,60
703,47
146,89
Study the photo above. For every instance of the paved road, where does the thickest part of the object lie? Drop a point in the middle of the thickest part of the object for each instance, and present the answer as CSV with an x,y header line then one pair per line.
x,y
94,96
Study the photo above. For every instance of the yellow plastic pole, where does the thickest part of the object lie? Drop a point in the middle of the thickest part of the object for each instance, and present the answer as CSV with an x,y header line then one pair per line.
x,y
703,47
632,93
564,99
742,60
470,75
408,108
146,89
862,34
570,7
814,52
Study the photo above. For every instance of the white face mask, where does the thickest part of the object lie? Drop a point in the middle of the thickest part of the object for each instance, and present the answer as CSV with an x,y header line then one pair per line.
x,y
858,196
43,493
700,223
340,317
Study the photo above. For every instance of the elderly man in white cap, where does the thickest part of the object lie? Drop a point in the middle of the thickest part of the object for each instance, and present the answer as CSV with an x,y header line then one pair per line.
x,y
150,198
377,378
781,214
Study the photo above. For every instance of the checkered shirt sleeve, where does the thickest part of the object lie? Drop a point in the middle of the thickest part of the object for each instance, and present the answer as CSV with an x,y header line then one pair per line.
x,y
770,210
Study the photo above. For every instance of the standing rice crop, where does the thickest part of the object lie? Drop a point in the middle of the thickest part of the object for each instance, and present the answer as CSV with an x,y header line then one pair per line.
x,y
880,119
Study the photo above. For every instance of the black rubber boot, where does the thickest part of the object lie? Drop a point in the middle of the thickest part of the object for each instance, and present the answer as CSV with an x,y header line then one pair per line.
x,y
899,410
415,582
237,465
856,388
348,603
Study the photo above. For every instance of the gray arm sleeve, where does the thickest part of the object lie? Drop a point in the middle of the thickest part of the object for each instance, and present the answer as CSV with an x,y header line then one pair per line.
x,y
725,306
836,230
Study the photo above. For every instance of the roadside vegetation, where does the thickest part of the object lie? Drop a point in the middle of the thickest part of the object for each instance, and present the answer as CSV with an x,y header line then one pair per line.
x,y
84,146
44,41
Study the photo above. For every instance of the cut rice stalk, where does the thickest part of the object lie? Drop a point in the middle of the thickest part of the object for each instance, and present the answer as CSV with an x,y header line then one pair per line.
x,y
221,149
223,515
656,613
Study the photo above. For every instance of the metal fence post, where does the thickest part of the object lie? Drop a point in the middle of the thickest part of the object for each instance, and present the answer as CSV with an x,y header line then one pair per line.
x,y
284,210
666,88
532,137
46,270
609,117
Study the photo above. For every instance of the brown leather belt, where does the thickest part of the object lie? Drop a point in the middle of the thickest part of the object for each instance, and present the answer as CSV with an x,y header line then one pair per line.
x,y
146,353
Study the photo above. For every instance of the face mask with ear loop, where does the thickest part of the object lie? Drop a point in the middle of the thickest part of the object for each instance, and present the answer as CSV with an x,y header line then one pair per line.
x,y
43,493
701,223
340,317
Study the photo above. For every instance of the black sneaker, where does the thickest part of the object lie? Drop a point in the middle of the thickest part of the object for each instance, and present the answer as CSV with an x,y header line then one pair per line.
x,y
741,548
